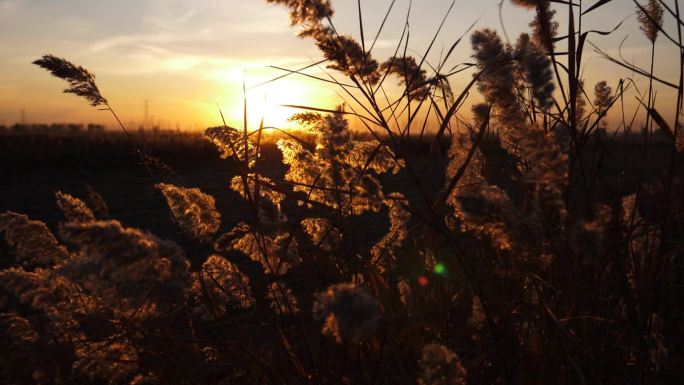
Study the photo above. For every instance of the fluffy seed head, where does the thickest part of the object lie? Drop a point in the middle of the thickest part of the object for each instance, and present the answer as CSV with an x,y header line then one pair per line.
x,y
276,253
536,68
410,75
496,83
194,210
32,241
347,56
18,329
440,366
231,143
525,3
602,92
603,97
221,286
96,202
348,312
74,209
650,18
109,240
308,13
281,299
81,82
544,27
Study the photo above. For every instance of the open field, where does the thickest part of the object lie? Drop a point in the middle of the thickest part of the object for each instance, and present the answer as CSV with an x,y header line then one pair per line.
x,y
35,166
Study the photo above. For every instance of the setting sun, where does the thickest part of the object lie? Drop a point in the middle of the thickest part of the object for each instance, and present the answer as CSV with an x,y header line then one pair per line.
x,y
267,100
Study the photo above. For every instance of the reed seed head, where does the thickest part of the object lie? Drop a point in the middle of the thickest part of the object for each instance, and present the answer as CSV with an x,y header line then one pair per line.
x,y
74,209
348,312
32,241
440,366
81,81
497,80
536,68
306,11
194,210
650,18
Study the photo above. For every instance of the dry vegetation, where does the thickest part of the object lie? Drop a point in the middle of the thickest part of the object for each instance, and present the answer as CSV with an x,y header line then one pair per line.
x,y
534,262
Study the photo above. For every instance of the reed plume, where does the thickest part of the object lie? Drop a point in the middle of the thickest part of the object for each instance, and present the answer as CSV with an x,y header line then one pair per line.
x,y
602,96
344,52
383,253
281,299
74,209
117,282
348,313
96,202
220,287
276,251
307,12
526,3
231,144
32,241
497,82
322,233
544,27
194,210
602,99
259,193
348,57
440,366
537,72
81,82
650,17
335,172
410,75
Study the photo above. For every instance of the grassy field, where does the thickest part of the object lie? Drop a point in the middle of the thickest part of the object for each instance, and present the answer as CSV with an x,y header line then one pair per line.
x,y
35,166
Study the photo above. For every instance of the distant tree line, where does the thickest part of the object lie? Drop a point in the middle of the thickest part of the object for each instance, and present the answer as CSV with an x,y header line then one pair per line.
x,y
53,128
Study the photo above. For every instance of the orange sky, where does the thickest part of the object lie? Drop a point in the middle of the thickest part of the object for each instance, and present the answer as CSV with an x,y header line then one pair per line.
x,y
188,57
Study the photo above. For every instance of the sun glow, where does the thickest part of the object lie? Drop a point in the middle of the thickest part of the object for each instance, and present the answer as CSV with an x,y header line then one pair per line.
x,y
270,100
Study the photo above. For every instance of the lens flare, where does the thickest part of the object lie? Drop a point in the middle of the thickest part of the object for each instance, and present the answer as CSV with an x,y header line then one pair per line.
x,y
423,281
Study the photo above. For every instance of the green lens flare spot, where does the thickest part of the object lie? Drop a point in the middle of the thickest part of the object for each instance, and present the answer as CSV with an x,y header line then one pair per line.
x,y
440,269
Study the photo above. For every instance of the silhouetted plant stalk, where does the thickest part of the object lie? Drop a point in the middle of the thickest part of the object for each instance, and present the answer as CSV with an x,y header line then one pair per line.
x,y
651,22
349,51
82,83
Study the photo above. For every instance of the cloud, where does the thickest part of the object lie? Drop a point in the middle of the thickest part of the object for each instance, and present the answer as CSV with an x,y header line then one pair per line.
x,y
204,39
129,41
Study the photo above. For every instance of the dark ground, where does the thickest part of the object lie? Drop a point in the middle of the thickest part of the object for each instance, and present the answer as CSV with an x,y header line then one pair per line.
x,y
34,166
